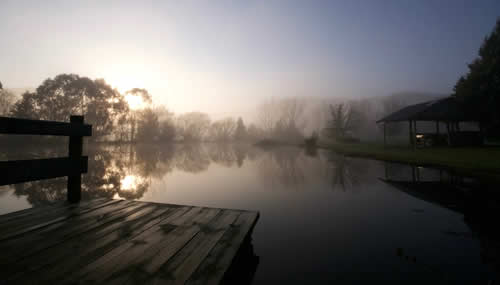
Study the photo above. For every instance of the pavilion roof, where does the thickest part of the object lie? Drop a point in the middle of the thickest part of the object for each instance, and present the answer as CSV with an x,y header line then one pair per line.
x,y
445,109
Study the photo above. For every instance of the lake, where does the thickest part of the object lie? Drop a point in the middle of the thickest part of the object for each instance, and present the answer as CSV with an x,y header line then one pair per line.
x,y
324,217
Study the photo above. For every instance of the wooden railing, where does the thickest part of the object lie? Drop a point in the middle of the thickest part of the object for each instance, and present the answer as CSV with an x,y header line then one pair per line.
x,y
73,166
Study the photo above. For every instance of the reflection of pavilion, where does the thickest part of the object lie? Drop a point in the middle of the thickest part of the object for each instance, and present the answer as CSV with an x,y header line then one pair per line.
x,y
459,194
435,186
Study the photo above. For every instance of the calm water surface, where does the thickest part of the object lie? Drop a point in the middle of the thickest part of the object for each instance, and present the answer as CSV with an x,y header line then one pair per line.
x,y
324,217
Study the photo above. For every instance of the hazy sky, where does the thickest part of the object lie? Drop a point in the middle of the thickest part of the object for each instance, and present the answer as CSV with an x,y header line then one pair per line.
x,y
203,55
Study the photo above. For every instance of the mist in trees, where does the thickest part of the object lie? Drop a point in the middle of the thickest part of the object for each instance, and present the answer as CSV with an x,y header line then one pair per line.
x,y
133,116
282,119
390,105
7,99
223,130
240,134
344,119
193,126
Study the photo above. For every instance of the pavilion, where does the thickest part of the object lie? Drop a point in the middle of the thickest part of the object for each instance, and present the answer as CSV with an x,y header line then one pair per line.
x,y
446,110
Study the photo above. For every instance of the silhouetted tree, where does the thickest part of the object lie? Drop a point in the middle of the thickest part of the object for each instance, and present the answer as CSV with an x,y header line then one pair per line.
x,y
25,108
68,94
193,126
240,133
479,89
148,126
141,95
343,120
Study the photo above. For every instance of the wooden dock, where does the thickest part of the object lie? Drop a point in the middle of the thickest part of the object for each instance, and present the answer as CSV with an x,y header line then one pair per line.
x,y
120,242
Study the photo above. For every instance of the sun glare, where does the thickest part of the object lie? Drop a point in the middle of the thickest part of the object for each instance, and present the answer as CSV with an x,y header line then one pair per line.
x,y
129,183
134,102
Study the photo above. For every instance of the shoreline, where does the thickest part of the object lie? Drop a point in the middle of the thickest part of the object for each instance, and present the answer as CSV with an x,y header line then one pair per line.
x,y
475,160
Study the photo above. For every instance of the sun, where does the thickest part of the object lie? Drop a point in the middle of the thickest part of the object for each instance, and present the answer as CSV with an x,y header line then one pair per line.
x,y
134,102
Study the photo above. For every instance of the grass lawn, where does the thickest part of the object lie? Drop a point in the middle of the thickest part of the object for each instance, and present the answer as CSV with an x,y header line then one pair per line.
x,y
470,159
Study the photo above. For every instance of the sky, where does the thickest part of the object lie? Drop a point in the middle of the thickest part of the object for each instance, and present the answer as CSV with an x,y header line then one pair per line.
x,y
224,57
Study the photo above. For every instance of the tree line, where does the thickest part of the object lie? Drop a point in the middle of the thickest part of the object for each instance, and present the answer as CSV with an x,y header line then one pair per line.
x,y
113,119
284,119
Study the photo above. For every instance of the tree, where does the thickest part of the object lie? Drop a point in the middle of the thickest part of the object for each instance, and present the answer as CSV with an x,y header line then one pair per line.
x,y
479,89
69,94
282,119
267,116
254,133
1,86
147,125
167,131
25,107
291,111
193,126
343,120
223,130
390,105
7,99
240,133
142,98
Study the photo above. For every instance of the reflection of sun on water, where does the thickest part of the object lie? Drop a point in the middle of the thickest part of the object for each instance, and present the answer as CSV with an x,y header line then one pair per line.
x,y
129,183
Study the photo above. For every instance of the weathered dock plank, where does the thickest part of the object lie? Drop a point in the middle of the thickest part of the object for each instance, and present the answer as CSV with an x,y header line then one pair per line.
x,y
121,242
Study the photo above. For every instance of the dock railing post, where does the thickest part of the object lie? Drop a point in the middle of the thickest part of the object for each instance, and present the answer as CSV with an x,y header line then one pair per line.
x,y
75,154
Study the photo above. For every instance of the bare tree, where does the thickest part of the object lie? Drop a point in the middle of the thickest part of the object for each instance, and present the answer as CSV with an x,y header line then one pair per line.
x,y
344,119
223,130
282,119
292,111
193,126
267,116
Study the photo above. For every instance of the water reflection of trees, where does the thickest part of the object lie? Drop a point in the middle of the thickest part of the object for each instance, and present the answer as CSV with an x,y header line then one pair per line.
x,y
228,155
125,171
340,172
191,158
293,168
282,166
344,172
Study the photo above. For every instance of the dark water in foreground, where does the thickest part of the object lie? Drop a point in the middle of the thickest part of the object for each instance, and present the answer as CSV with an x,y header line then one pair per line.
x,y
324,217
